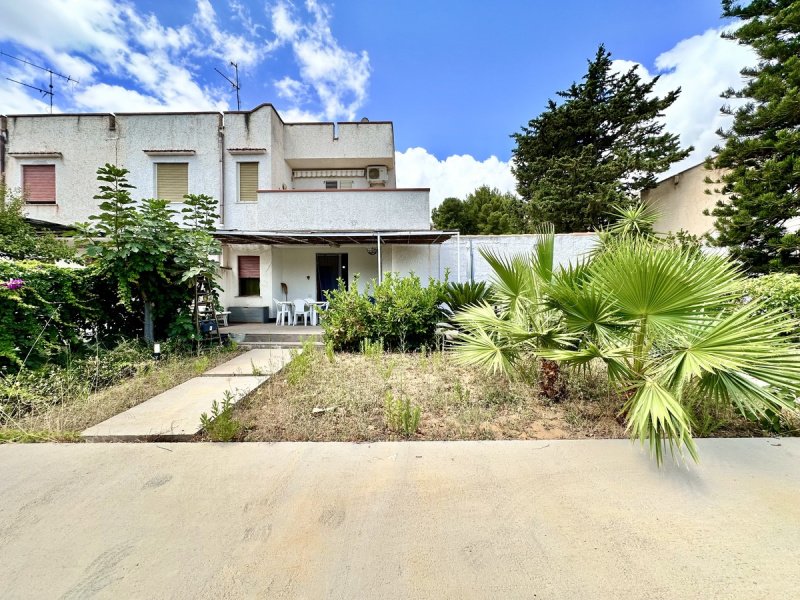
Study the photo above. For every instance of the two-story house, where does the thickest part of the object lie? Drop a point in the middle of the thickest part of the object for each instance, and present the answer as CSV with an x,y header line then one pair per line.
x,y
300,204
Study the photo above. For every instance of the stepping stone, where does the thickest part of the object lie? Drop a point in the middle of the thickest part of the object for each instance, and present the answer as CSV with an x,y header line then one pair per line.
x,y
173,415
266,361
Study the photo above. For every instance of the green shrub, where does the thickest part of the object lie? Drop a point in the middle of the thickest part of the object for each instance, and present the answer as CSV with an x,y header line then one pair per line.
x,y
777,291
400,416
220,425
399,310
46,308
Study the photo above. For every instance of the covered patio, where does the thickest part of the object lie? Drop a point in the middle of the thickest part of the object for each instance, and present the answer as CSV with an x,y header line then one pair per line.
x,y
261,270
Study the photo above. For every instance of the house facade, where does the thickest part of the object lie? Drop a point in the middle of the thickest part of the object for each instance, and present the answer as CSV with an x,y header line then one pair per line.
x,y
300,204
680,200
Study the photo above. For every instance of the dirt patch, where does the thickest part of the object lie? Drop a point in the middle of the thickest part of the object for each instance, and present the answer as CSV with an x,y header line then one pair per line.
x,y
344,399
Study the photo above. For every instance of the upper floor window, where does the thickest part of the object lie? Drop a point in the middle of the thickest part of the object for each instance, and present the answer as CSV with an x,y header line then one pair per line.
x,y
172,181
331,185
248,181
39,183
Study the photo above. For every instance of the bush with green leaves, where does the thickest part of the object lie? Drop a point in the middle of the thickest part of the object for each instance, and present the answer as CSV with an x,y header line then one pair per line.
x,y
400,311
19,240
775,292
52,308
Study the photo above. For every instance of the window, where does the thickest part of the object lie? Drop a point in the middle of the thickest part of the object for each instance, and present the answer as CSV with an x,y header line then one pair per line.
x,y
39,183
346,185
248,181
249,276
172,181
331,185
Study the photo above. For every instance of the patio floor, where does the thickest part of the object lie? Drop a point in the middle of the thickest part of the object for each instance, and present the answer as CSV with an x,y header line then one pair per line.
x,y
271,328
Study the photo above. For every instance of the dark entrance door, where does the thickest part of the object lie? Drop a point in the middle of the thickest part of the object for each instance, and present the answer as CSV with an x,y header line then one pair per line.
x,y
330,268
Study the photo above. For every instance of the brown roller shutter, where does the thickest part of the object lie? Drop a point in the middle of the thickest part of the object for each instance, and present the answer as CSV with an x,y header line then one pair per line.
x,y
39,183
248,181
249,267
172,181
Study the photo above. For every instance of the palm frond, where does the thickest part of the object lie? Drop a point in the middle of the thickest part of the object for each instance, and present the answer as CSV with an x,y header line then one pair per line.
x,y
656,416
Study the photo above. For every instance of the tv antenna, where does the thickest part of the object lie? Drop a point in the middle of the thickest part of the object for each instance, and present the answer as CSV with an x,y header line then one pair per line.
x,y
48,92
234,82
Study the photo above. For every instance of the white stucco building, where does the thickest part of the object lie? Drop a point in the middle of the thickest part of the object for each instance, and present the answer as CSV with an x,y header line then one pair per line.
x,y
300,204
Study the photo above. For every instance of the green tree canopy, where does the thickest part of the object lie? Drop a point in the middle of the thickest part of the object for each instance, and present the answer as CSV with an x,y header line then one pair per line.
x,y
153,260
599,147
760,150
486,211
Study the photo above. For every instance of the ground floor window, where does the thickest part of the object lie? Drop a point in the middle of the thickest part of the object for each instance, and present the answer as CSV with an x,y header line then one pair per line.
x,y
249,276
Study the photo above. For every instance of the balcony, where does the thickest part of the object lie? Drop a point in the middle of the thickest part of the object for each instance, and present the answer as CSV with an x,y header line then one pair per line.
x,y
331,210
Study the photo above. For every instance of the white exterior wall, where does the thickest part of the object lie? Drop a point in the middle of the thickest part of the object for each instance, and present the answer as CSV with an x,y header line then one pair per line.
x,y
422,261
681,199
333,210
354,145
198,132
229,276
76,171
247,130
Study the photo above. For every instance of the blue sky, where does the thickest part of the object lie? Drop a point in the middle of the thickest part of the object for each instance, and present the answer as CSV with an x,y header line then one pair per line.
x,y
457,78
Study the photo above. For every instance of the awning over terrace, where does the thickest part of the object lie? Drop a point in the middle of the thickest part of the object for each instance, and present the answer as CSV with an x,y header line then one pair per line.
x,y
333,238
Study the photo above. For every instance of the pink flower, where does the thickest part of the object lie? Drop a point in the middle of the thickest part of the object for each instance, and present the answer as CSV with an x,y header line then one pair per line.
x,y
13,284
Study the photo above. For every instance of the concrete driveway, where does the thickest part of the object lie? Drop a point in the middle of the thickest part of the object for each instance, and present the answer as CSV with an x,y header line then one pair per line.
x,y
558,519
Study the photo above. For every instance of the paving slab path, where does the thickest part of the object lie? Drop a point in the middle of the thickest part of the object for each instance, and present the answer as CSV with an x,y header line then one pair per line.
x,y
547,520
175,414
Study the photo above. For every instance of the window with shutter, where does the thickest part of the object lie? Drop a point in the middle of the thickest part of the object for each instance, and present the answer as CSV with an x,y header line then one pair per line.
x,y
39,183
172,181
248,181
249,276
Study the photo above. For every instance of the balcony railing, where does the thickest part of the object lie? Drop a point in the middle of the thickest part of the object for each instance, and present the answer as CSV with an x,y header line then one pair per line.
x,y
332,210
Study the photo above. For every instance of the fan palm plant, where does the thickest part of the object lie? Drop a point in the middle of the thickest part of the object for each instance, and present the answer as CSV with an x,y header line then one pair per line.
x,y
665,322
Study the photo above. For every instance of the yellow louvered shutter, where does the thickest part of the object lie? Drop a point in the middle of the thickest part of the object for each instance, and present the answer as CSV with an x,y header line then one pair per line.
x,y
172,181
248,181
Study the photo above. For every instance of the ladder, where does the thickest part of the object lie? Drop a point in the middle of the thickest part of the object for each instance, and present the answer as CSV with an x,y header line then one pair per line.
x,y
205,314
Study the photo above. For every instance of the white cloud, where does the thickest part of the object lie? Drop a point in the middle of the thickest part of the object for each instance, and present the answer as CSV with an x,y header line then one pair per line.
x,y
92,39
703,66
454,176
338,77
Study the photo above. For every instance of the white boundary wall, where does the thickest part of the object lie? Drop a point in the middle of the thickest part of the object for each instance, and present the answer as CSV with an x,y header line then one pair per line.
x,y
435,261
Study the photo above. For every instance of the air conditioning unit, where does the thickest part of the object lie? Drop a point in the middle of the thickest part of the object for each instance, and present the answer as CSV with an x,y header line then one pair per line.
x,y
377,175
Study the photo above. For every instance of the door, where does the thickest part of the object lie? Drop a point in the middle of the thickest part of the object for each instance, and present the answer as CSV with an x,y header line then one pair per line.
x,y
330,268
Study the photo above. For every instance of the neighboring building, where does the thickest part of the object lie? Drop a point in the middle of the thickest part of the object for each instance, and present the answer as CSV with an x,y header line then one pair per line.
x,y
301,204
681,199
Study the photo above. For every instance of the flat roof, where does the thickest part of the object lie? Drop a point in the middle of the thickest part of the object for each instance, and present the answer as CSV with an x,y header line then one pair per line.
x,y
292,238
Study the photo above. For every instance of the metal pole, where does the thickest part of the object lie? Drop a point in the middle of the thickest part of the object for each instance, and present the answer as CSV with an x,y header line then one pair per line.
x,y
458,244
380,265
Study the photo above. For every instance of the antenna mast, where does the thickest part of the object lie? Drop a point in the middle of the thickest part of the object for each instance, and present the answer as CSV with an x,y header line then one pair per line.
x,y
234,82
48,92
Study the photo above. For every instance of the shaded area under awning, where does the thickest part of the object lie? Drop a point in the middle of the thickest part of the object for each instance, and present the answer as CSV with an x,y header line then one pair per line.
x,y
277,238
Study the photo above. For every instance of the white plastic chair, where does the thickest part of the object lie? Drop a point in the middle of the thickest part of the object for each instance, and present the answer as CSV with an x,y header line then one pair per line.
x,y
284,314
301,308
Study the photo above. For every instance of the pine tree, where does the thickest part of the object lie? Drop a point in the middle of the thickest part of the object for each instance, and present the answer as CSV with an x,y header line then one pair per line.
x,y
486,211
601,146
761,150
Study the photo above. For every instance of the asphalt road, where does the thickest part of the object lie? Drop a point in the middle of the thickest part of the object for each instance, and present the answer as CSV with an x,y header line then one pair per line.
x,y
558,519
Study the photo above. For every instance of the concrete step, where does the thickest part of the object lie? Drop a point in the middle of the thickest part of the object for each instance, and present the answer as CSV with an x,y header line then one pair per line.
x,y
281,337
277,345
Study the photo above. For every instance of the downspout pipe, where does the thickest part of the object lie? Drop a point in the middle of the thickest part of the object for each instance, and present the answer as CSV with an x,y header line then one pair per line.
x,y
3,142
380,264
221,132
